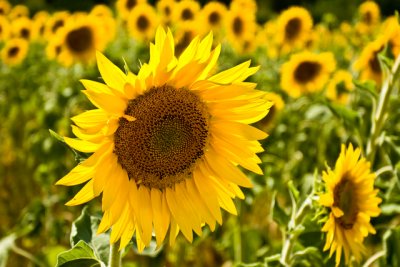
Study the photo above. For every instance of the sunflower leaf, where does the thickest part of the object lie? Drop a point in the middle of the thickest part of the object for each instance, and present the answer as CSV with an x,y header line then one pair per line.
x,y
80,255
85,228
278,214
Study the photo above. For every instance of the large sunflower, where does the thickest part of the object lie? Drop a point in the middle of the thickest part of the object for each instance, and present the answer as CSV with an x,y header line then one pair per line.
x,y
306,72
5,7
293,30
14,51
352,200
167,142
142,22
81,36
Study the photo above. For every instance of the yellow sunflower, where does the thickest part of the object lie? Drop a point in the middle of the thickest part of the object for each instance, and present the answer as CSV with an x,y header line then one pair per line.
x,y
352,201
240,26
14,51
124,7
368,63
391,29
56,22
5,28
54,47
340,86
185,33
167,142
22,28
369,13
5,7
81,37
39,25
185,10
101,10
165,9
18,11
142,22
212,16
306,72
246,6
294,26
268,122
106,21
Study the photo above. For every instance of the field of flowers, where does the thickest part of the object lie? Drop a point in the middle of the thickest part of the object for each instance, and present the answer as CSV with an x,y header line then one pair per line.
x,y
188,134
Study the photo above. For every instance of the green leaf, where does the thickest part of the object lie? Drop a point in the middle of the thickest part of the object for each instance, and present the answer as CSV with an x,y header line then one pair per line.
x,y
368,87
85,228
56,135
349,116
81,255
278,214
5,245
392,247
310,256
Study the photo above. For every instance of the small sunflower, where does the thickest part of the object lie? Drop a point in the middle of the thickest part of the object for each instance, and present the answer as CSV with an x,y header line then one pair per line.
x,y
246,6
352,201
5,28
22,28
106,21
165,9
239,26
369,13
56,22
81,37
268,122
5,7
18,11
124,7
186,10
54,47
340,86
368,63
212,16
142,22
101,10
294,26
14,51
167,142
306,72
39,25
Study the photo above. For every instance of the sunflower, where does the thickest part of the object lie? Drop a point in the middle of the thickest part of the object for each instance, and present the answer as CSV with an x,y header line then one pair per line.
x,y
81,37
294,26
306,72
185,10
18,11
165,9
39,25
369,13
239,27
391,29
278,105
14,51
212,16
167,142
104,17
101,10
339,86
368,63
22,28
56,22
54,47
5,28
142,22
124,7
185,33
5,7
352,200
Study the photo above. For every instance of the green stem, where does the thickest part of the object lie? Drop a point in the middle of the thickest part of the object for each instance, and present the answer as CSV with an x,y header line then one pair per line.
x,y
373,258
380,115
290,235
115,255
237,239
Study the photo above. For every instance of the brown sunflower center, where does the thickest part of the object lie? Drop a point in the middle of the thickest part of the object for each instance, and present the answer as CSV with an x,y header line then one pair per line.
x,y
161,147
58,24
142,23
13,51
367,18
80,40
345,198
214,18
292,29
25,33
306,71
187,14
373,62
237,26
130,4
167,11
2,12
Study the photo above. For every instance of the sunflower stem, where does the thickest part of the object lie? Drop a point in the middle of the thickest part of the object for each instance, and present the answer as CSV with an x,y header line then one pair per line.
x,y
291,235
115,255
380,114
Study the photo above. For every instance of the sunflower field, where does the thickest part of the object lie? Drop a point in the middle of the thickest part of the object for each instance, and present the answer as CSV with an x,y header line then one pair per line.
x,y
187,133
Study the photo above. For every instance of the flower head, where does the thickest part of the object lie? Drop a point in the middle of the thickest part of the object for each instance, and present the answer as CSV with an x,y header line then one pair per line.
x,y
167,142
352,200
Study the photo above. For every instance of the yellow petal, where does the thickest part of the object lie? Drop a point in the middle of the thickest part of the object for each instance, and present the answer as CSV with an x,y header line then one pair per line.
x,y
77,175
84,195
145,217
111,74
82,145
161,214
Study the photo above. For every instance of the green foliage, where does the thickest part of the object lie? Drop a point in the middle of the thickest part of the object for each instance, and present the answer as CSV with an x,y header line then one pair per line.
x,y
81,255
